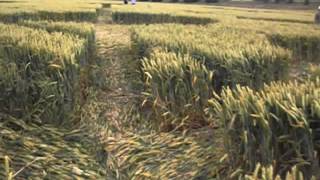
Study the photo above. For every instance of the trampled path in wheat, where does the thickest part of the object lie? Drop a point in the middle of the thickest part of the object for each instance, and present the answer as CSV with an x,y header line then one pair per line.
x,y
113,49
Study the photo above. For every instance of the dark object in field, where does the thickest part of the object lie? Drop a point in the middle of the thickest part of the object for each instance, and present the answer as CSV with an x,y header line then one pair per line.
x,y
125,1
190,1
212,1
317,17
106,5
315,126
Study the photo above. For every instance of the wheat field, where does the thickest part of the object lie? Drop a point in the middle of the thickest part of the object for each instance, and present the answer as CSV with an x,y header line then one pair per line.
x,y
93,89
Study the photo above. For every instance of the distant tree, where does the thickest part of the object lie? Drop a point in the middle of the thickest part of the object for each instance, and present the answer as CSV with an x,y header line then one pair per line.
x,y
290,1
212,1
190,1
264,1
306,2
